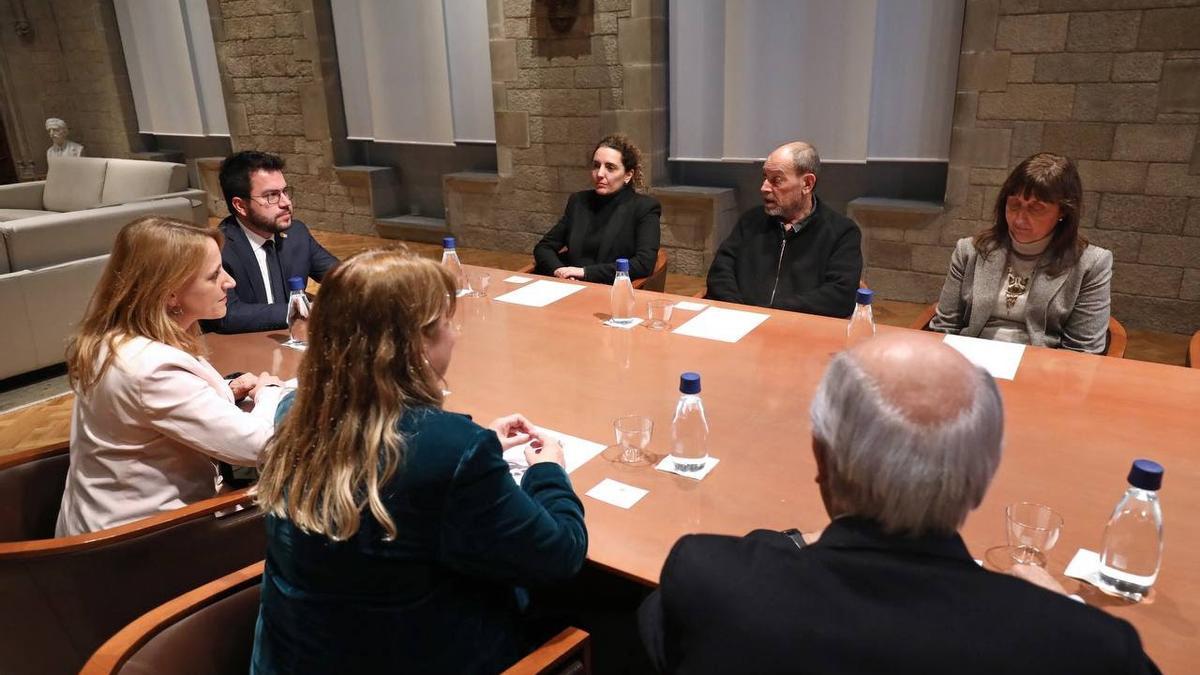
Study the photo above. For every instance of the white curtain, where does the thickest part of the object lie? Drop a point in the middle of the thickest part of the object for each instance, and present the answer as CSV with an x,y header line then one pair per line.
x,y
861,79
416,71
172,65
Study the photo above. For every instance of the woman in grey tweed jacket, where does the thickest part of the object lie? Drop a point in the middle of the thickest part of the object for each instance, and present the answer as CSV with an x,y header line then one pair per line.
x,y
1031,277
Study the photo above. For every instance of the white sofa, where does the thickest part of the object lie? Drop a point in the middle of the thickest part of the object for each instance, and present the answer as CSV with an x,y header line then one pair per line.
x,y
57,235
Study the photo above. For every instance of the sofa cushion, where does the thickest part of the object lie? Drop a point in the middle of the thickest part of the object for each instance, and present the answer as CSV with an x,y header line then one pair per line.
x,y
131,179
74,183
17,214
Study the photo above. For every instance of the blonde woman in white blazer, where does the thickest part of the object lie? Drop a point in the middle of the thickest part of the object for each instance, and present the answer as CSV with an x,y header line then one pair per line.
x,y
151,415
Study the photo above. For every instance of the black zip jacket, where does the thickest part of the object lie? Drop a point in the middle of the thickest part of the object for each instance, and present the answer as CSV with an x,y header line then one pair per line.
x,y
813,269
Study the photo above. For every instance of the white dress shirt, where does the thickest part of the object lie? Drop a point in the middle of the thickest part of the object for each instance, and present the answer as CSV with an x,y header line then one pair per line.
x,y
145,437
260,254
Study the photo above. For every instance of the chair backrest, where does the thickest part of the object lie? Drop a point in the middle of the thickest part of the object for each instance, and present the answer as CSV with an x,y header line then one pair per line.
x,y
207,630
61,598
657,281
210,631
31,489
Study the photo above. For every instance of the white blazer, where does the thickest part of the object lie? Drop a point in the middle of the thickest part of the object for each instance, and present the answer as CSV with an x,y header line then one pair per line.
x,y
145,438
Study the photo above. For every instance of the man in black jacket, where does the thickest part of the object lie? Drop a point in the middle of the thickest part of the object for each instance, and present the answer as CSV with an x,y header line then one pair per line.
x,y
906,438
264,244
793,252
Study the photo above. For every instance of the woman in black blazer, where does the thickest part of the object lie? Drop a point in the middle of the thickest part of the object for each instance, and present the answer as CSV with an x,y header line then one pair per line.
x,y
612,220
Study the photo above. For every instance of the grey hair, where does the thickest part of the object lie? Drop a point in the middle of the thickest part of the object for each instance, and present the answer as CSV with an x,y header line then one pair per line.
x,y
806,159
910,478
55,122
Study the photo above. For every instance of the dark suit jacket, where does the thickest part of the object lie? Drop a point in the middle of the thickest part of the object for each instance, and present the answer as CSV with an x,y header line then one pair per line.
x,y
439,598
299,256
861,601
632,231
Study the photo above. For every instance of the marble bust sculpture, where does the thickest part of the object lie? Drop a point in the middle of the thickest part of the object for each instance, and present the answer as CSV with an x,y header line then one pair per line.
x,y
62,146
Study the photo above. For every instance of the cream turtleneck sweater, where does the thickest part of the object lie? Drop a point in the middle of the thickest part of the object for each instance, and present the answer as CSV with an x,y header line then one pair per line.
x,y
1007,322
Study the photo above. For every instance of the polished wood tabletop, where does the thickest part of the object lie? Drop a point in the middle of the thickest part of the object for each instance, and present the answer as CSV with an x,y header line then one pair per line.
x,y
1074,423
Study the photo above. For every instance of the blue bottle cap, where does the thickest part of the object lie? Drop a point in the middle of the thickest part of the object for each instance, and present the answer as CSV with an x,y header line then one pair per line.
x,y
297,283
447,242
864,296
622,264
689,383
1146,474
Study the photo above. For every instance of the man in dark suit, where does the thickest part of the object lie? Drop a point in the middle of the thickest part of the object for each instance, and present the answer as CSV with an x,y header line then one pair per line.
x,y
793,252
906,436
264,245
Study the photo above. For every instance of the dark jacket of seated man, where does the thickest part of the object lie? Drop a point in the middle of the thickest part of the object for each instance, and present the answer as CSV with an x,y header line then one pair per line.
x,y
862,601
814,268
248,310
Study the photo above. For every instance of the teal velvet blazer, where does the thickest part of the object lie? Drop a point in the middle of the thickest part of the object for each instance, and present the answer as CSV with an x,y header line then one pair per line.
x,y
440,598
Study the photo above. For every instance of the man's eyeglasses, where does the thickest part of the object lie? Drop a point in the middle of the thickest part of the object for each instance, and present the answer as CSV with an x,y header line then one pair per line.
x,y
272,198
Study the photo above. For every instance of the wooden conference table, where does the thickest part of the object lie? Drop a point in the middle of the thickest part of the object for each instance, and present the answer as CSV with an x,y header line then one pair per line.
x,y
1074,422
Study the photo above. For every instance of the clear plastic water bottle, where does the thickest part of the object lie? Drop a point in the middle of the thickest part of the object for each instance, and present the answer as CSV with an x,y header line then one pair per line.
x,y
452,263
297,312
689,429
1133,538
862,322
622,295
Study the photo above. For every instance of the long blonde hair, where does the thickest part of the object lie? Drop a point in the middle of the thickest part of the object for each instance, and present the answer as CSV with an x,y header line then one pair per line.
x,y
365,365
152,258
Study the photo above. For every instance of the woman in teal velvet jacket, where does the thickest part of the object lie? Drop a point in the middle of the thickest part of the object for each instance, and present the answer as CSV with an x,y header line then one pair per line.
x,y
396,536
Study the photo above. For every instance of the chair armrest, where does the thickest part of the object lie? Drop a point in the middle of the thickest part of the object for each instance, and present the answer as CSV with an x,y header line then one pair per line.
x,y
1117,338
27,196
571,643
922,321
1193,355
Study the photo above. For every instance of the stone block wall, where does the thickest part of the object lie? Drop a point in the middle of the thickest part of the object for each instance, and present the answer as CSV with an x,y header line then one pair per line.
x,y
70,65
695,220
1115,84
279,74
555,95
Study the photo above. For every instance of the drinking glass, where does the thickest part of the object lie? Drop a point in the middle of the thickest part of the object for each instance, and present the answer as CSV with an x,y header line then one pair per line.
x,y
1033,530
659,314
479,284
633,435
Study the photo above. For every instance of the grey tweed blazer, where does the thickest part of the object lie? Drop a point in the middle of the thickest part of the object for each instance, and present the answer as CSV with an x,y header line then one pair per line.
x,y
1069,310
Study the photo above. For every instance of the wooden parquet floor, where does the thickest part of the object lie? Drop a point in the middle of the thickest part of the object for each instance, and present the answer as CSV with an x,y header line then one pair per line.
x,y
49,421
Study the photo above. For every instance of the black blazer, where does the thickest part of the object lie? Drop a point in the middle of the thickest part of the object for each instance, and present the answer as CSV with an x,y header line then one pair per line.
x,y
861,601
632,232
299,256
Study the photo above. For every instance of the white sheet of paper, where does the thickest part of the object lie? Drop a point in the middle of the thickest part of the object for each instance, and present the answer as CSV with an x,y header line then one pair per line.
x,y
518,279
576,452
625,326
689,306
617,493
1001,359
540,293
718,323
669,466
1085,566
